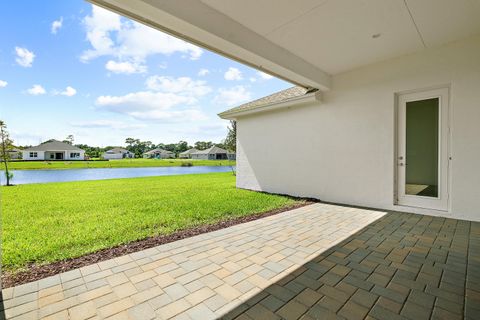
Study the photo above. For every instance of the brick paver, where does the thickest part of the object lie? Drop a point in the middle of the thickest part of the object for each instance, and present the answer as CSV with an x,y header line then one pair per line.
x,y
402,266
319,261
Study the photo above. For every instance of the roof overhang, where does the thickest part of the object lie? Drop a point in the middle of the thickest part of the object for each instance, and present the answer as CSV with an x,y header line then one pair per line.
x,y
307,41
314,97
198,23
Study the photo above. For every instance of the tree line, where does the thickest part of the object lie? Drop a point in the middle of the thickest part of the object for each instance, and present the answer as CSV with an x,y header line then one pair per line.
x,y
138,147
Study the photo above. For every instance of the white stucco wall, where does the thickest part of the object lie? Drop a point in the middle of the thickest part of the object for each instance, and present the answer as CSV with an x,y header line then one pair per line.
x,y
342,150
112,156
82,155
41,155
26,155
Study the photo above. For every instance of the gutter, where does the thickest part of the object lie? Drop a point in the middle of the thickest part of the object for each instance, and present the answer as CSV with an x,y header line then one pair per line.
x,y
293,102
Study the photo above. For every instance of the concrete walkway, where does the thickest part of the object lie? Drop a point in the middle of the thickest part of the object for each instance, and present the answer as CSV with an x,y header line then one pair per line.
x,y
203,277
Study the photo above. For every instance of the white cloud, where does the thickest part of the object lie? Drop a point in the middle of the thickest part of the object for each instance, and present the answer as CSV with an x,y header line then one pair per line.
x,y
109,124
253,79
3,83
147,105
56,25
232,96
24,57
69,92
109,35
125,67
36,90
264,76
233,74
203,72
182,85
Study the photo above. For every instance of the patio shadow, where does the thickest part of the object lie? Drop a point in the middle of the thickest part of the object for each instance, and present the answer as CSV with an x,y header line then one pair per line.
x,y
2,307
402,266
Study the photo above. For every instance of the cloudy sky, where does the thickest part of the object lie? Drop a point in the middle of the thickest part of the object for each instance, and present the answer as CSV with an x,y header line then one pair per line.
x,y
67,67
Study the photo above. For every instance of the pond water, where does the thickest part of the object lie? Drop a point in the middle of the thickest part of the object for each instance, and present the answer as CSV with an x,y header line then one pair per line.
x,y
42,176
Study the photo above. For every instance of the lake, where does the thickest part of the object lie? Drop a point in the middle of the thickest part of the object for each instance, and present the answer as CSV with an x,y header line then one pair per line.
x,y
42,176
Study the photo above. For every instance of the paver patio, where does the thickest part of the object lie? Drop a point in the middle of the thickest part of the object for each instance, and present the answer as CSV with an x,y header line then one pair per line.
x,y
315,262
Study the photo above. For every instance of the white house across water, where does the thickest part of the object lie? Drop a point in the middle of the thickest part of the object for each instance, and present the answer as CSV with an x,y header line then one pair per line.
x,y
54,150
117,153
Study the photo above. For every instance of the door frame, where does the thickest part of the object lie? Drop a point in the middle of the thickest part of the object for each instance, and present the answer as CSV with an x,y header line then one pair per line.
x,y
441,203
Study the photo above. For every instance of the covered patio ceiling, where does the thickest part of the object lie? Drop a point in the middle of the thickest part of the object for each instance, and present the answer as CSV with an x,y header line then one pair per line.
x,y
307,41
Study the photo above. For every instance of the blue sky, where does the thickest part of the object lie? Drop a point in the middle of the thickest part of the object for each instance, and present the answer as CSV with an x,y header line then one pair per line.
x,y
67,67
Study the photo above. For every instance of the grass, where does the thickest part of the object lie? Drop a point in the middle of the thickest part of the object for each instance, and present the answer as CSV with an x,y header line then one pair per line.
x,y
44,223
125,163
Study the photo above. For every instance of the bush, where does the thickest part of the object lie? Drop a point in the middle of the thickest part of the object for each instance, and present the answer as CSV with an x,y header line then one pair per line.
x,y
186,164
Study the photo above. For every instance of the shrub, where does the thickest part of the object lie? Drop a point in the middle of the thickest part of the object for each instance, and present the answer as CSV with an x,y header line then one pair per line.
x,y
186,164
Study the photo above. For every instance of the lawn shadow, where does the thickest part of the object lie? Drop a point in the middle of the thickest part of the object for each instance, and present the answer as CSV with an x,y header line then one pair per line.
x,y
400,266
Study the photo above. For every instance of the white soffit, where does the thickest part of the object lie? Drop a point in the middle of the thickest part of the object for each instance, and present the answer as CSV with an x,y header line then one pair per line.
x,y
304,41
336,35
442,21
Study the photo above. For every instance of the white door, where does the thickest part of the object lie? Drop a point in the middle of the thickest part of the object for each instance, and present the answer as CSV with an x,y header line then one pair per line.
x,y
422,155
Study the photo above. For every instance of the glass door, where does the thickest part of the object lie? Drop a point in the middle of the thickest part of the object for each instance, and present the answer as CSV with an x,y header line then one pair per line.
x,y
422,155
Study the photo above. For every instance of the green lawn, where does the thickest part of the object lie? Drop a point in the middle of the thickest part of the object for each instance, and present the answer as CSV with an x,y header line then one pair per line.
x,y
48,222
125,163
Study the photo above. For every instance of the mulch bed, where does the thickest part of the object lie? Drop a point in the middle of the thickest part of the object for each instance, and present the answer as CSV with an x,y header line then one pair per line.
x,y
37,272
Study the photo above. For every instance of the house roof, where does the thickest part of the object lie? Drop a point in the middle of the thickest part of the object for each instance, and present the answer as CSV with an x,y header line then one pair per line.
x,y
211,150
158,150
189,151
277,97
117,150
15,150
54,145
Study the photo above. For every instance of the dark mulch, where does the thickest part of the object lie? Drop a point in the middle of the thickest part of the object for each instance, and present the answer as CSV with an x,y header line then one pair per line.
x,y
37,272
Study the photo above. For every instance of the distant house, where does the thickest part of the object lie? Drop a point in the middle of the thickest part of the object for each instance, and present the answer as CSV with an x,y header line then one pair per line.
x,y
14,153
159,154
232,156
212,153
54,150
117,153
187,154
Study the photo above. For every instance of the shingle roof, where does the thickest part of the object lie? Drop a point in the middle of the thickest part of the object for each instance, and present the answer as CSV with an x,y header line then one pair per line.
x,y
277,97
189,151
117,150
158,150
211,150
54,145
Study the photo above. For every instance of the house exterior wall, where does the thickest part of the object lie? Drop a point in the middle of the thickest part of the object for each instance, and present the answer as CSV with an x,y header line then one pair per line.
x,y
166,156
40,155
15,155
45,155
348,141
112,156
82,155
200,156
159,156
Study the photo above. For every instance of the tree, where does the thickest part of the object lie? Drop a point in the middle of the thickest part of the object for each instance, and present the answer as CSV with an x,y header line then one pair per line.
x,y
202,145
69,139
138,147
6,146
231,139
181,146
